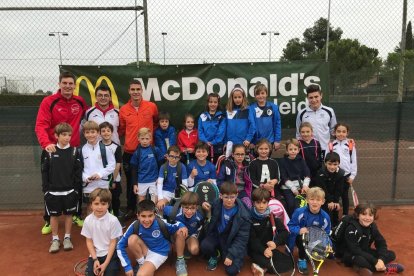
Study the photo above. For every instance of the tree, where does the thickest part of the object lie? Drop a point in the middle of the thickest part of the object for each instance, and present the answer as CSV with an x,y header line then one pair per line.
x,y
409,37
293,50
314,40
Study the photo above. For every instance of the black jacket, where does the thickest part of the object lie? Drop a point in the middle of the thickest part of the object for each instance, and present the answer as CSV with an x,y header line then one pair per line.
x,y
261,232
238,237
61,170
359,242
331,183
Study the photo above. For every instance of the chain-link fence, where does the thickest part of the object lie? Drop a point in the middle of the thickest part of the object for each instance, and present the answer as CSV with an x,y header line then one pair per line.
x,y
35,41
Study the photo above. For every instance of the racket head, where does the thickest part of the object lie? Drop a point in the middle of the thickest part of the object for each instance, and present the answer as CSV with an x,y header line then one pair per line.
x,y
316,243
207,192
80,267
282,254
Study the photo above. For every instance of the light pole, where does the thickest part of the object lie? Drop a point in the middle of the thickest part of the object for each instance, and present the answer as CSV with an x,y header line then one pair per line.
x,y
136,31
163,43
58,34
270,41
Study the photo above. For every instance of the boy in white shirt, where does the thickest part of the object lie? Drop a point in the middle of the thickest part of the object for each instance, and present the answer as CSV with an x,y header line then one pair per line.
x,y
98,162
102,231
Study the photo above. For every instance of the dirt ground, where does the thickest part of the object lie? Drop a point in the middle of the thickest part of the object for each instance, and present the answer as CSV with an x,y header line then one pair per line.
x,y
25,251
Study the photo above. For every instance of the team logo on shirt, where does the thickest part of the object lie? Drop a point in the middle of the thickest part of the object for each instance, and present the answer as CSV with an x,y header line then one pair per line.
x,y
75,109
156,233
194,224
269,112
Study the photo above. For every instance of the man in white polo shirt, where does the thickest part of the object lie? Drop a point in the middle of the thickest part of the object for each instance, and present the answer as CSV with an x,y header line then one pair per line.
x,y
322,118
104,111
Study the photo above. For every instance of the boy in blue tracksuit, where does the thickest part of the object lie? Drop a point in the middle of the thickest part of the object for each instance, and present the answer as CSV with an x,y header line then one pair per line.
x,y
165,135
145,165
147,240
310,215
212,125
228,231
267,118
200,169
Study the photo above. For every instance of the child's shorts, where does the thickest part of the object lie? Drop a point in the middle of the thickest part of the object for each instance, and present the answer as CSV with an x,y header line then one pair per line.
x,y
156,259
61,202
168,195
144,187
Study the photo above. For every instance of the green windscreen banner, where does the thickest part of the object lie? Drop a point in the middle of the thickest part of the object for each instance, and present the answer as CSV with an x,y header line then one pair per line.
x,y
181,89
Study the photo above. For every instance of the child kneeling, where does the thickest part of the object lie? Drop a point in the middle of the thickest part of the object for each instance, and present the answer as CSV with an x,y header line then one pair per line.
x,y
101,230
228,231
262,240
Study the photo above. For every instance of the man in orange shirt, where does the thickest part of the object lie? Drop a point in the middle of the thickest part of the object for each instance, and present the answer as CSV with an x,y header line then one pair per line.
x,y
134,115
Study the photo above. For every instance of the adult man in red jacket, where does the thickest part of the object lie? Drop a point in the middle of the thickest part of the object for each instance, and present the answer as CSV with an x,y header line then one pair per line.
x,y
60,107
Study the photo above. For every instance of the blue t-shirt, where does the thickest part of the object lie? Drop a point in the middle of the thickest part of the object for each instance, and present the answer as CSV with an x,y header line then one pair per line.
x,y
208,171
147,163
226,217
170,182
193,224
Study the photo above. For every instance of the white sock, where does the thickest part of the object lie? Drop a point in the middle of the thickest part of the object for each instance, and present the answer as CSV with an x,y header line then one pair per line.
x,y
67,236
55,237
140,261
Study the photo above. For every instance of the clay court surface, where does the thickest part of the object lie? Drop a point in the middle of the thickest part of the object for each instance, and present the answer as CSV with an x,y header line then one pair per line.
x,y
24,250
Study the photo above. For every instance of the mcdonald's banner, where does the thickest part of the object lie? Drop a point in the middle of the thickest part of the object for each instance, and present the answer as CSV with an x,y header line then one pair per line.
x,y
181,89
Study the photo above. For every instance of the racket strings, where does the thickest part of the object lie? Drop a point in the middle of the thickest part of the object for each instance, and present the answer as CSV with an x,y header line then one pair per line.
x,y
318,244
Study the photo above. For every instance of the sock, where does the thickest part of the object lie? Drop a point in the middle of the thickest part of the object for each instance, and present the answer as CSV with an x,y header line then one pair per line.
x,y
55,237
140,261
67,236
180,258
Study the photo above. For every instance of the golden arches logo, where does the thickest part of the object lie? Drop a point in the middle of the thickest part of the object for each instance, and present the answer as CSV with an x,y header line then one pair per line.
x,y
92,88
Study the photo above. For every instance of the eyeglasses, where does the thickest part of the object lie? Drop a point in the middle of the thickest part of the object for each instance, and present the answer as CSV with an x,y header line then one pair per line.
x,y
239,154
229,197
189,208
103,96
174,156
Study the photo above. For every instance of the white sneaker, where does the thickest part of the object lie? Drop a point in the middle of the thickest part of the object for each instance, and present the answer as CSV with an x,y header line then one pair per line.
x,y
257,270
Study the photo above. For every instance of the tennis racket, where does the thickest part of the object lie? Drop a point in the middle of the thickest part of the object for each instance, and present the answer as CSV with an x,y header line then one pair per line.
x,y
278,256
207,192
317,246
179,191
355,199
80,267
300,201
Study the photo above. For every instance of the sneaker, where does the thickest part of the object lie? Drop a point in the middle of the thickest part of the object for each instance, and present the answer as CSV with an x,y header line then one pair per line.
x,y
46,229
257,270
212,263
303,266
392,268
77,220
67,244
181,268
54,247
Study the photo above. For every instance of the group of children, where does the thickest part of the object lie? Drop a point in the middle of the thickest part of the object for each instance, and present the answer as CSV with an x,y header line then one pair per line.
x,y
238,220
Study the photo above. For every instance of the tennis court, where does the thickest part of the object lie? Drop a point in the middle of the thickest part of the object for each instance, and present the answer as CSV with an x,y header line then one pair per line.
x,y
25,250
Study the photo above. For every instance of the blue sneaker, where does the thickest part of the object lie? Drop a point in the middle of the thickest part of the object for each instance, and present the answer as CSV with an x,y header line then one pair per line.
x,y
303,266
392,268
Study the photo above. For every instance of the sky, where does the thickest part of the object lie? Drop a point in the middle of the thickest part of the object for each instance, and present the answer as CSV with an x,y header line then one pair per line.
x,y
198,31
